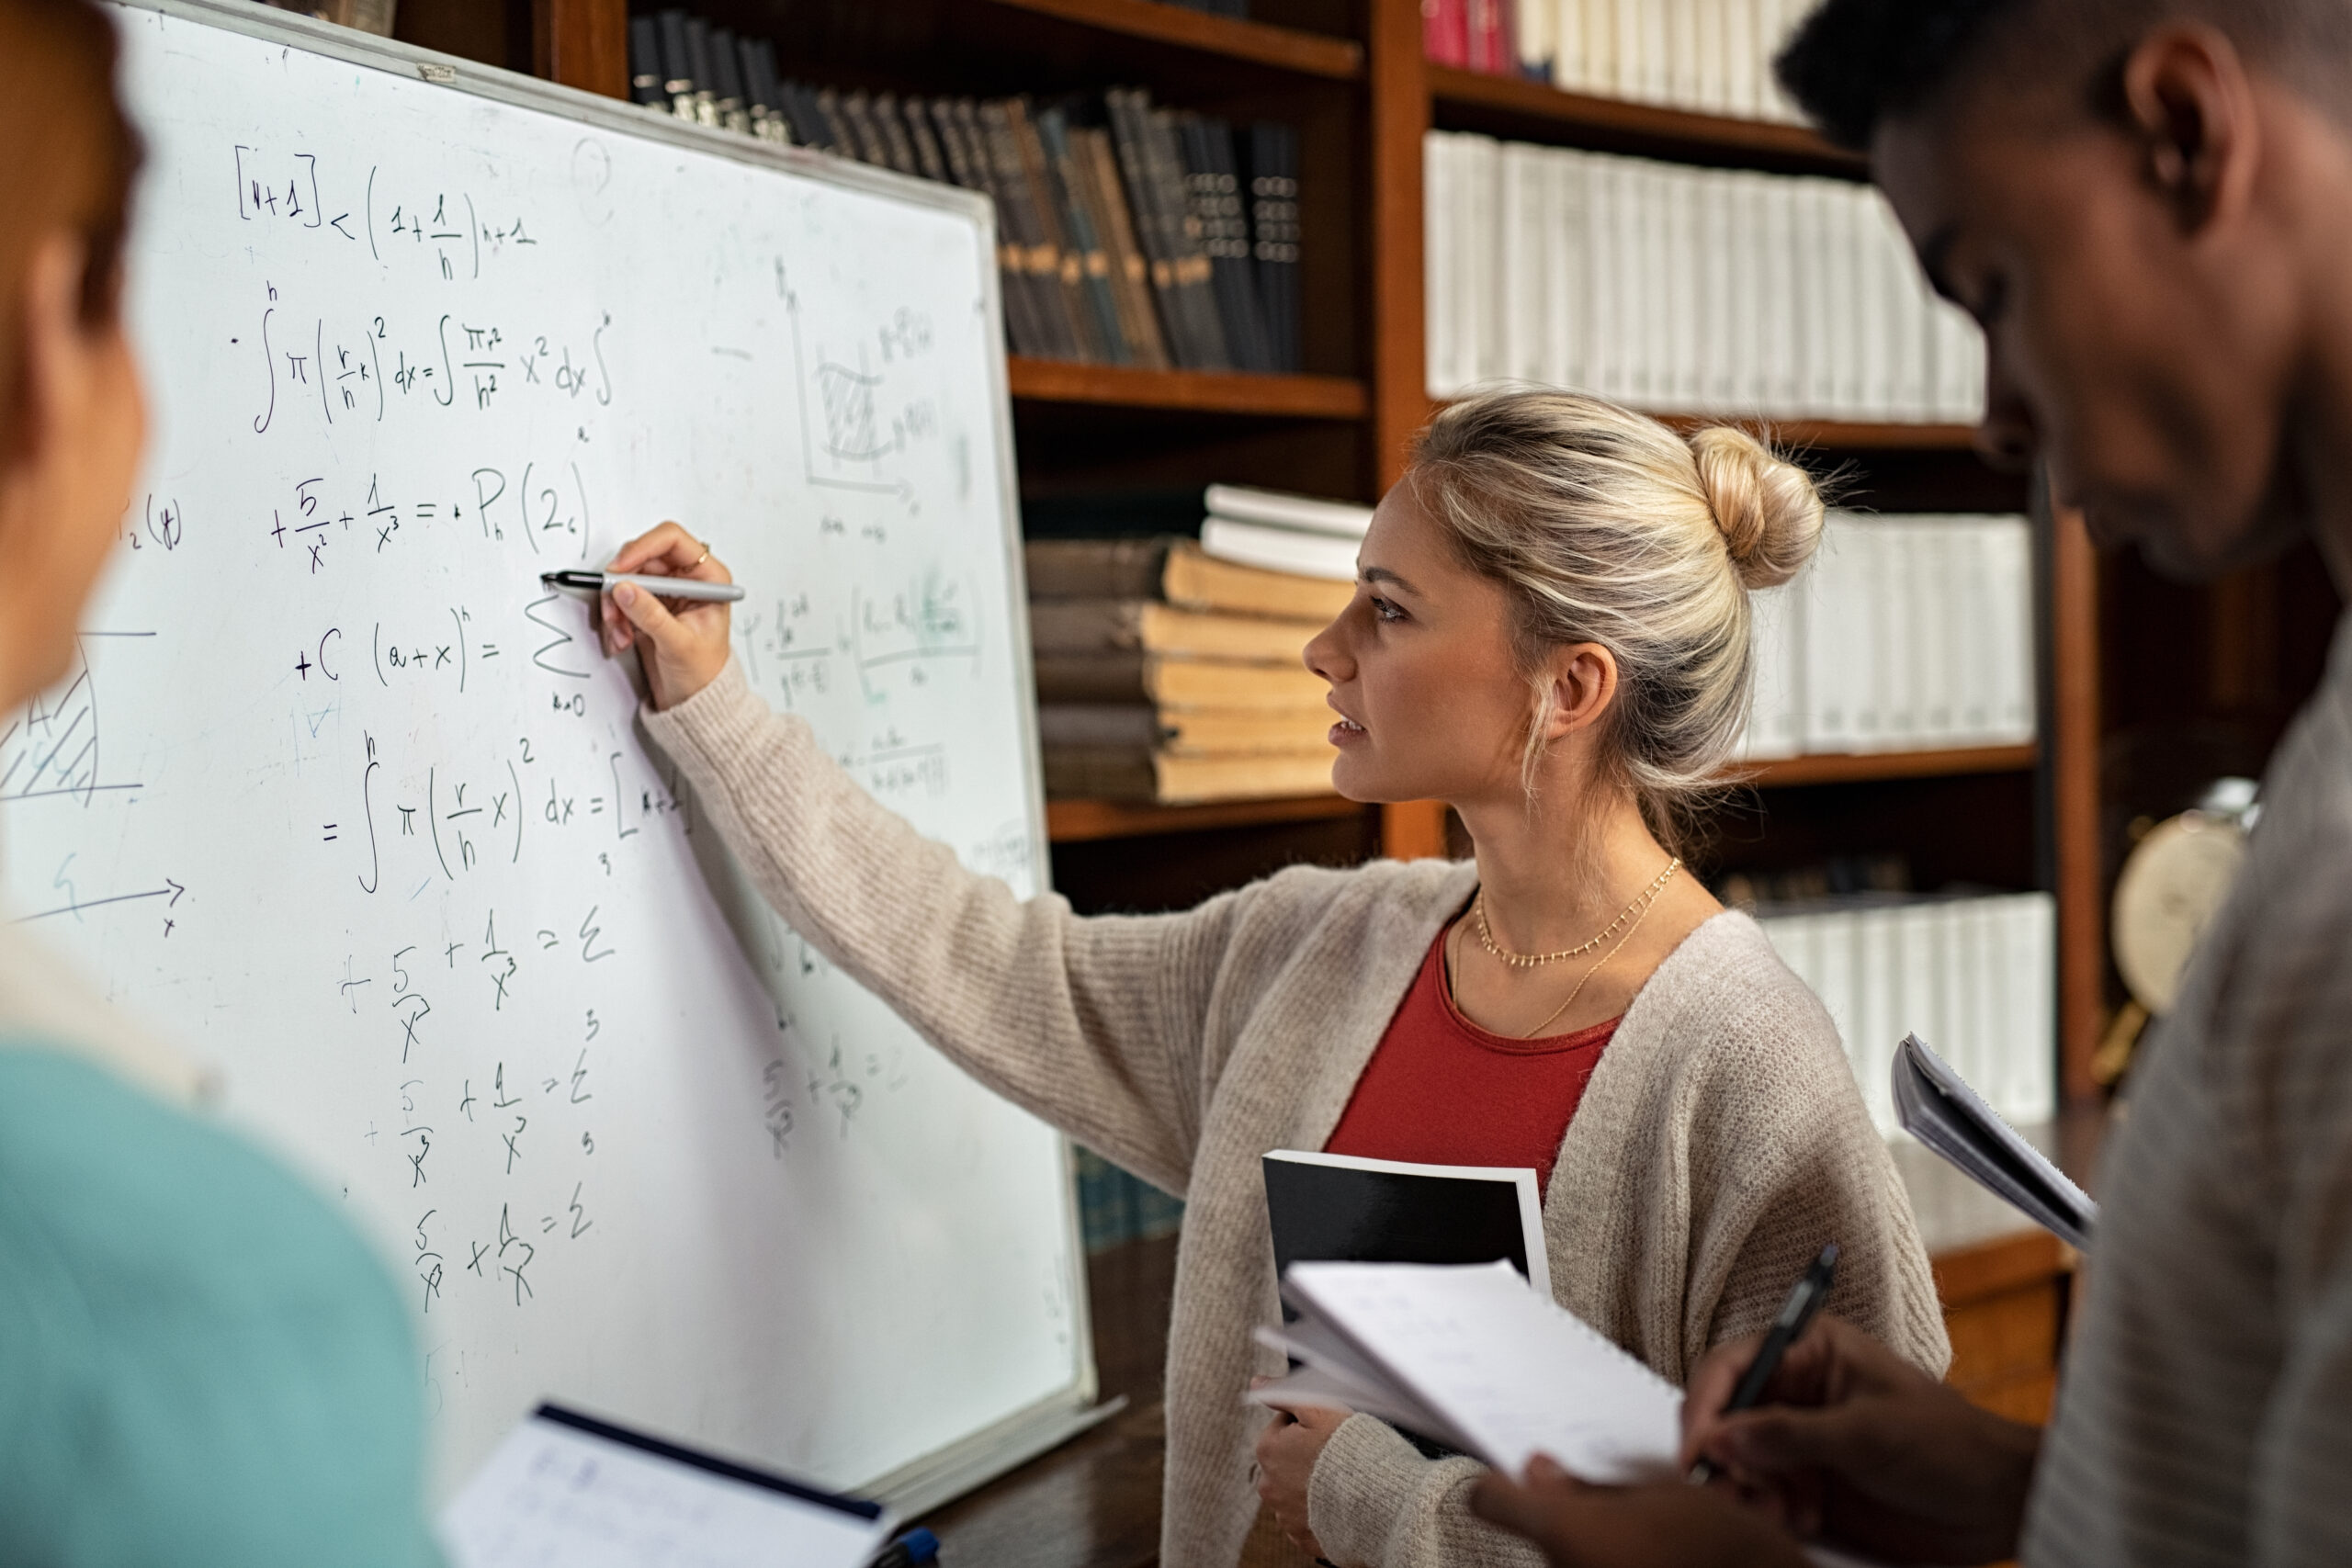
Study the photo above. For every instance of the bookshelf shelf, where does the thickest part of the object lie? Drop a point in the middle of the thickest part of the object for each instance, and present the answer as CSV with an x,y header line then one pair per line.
x,y
1081,822
1198,391
1840,436
1283,49
1881,766
1532,111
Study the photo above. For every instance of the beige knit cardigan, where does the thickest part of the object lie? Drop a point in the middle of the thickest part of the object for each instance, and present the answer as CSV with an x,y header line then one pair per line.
x,y
1719,1144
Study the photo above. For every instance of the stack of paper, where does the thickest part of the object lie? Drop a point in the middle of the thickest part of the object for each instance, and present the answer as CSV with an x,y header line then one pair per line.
x,y
1939,1109
1473,1358
1692,290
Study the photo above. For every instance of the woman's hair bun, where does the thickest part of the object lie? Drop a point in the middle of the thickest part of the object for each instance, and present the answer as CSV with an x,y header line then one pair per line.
x,y
1766,508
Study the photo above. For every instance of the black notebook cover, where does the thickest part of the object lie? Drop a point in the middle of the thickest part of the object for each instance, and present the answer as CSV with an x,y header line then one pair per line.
x,y
1340,1209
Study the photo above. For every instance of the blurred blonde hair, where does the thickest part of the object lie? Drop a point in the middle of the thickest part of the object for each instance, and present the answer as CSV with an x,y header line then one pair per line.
x,y
1606,526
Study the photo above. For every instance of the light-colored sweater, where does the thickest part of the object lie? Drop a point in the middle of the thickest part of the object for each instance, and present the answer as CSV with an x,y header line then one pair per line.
x,y
1720,1143
2206,1414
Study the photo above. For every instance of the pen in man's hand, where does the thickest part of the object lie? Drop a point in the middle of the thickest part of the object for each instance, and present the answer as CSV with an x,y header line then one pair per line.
x,y
1787,1329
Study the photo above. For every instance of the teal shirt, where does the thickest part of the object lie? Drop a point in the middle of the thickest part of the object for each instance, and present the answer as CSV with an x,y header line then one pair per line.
x,y
200,1362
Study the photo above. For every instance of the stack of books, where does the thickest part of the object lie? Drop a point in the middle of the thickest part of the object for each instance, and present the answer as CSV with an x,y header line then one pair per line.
x,y
1285,532
1710,56
1667,287
1168,674
1127,233
1910,633
1977,975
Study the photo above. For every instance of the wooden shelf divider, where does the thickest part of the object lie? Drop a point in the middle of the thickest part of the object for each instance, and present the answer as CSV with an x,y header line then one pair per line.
x,y
1528,110
1836,434
1079,821
1284,49
1873,767
1198,391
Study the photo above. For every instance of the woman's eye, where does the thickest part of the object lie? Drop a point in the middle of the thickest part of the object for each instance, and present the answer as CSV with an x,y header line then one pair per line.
x,y
1386,610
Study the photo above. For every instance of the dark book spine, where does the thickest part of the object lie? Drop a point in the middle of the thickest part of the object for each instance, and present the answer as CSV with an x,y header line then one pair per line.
x,y
969,168
1085,243
1131,137
698,66
931,159
1194,273
1274,236
896,140
727,82
1040,258
1224,226
811,125
1086,343
645,65
677,62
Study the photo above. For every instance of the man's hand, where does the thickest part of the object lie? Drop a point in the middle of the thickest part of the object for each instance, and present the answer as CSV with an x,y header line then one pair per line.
x,y
1667,1525
1287,1451
1855,1447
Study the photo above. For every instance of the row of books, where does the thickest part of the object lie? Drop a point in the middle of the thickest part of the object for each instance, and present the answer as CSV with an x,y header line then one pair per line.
x,y
1910,633
1168,672
1684,289
1975,977
1711,56
1127,233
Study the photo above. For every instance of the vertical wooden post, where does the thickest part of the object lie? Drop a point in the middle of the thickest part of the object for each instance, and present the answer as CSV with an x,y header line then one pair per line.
x,y
2072,737
1400,114
581,43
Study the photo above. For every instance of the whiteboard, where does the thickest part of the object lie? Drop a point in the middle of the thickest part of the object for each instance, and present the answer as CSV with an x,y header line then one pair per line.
x,y
339,799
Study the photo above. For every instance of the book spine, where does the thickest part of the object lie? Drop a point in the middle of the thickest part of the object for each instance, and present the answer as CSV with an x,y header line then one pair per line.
x,y
1194,275
1130,138
1040,257
1130,274
645,65
1274,236
1085,243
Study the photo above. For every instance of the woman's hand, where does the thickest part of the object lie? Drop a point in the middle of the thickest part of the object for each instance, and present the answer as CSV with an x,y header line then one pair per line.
x,y
681,649
1665,1524
1287,1451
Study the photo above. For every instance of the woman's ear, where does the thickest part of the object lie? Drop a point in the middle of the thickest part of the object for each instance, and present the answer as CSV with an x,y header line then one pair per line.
x,y
1584,684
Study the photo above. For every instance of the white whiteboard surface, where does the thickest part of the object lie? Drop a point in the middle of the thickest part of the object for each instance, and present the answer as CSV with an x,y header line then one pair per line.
x,y
342,801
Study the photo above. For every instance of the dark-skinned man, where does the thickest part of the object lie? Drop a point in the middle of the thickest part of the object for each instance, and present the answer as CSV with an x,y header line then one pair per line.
x,y
2148,206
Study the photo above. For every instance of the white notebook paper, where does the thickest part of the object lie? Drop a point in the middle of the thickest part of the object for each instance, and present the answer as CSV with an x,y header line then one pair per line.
x,y
1474,1356
567,1491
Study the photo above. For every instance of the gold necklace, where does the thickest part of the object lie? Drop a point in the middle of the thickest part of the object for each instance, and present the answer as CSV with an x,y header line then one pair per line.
x,y
1602,962
1530,960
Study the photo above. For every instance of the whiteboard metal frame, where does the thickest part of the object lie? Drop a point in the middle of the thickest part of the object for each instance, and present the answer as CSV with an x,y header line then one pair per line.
x,y
979,1457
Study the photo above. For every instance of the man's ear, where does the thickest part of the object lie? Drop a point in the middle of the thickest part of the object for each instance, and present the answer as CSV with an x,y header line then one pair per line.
x,y
2189,100
1584,684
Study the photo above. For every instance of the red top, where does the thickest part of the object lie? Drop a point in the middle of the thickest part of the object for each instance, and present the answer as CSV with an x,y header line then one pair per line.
x,y
1440,1090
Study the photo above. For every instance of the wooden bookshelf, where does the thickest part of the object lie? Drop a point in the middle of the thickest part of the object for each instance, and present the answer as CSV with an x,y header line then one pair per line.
x,y
1082,821
1873,767
1354,79
1836,434
1525,110
1283,49
1195,391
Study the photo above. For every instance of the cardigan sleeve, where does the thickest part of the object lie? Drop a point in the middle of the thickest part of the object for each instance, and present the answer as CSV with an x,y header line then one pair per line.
x,y
1095,1024
1373,1501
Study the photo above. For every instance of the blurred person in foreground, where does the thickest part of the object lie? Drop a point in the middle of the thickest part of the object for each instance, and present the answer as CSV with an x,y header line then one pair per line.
x,y
200,1363
2147,204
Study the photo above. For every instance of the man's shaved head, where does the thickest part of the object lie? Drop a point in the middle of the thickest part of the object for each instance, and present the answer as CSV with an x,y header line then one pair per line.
x,y
1855,64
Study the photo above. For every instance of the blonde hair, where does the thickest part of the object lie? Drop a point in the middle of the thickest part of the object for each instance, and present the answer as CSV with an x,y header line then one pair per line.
x,y
1606,526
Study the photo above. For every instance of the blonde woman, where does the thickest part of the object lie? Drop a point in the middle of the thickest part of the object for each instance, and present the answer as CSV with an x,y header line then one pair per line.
x,y
1550,633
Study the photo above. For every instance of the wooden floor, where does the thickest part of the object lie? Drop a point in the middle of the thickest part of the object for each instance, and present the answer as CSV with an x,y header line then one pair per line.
x,y
1094,1503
